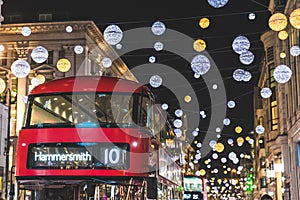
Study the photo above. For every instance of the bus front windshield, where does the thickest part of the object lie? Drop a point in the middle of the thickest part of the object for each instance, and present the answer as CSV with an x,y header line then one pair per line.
x,y
86,110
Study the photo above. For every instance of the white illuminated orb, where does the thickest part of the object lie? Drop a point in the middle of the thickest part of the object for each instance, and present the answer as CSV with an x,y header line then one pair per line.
x,y
265,92
197,75
118,46
158,28
246,57
295,50
69,29
200,64
240,44
39,54
217,3
226,121
238,74
158,46
282,73
177,123
259,129
113,34
251,16
78,49
178,113
231,104
155,81
20,68
106,62
178,132
35,81
152,59
195,133
26,31
164,106
247,76
213,143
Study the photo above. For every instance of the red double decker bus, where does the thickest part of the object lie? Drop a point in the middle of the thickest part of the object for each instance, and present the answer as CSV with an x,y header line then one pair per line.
x,y
93,137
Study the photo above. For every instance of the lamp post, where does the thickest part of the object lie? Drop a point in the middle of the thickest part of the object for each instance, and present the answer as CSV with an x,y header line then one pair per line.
x,y
8,97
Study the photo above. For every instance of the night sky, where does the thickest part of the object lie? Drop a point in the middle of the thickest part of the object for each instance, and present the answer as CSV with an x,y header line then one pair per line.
x,y
226,23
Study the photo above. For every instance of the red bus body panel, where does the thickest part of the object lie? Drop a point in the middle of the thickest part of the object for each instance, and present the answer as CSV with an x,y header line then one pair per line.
x,y
88,84
139,155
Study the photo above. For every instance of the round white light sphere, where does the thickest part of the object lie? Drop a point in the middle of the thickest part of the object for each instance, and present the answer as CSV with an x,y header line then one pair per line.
x,y
246,57
178,132
295,50
20,68
26,31
113,34
240,44
231,104
265,92
106,62
200,64
259,129
158,46
158,28
282,73
164,106
217,3
39,54
251,16
78,49
69,29
178,113
152,59
155,81
177,123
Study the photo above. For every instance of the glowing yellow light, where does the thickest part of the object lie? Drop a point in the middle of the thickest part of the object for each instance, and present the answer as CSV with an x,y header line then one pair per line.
x,y
277,22
199,45
219,181
295,18
63,65
219,147
187,98
282,55
202,172
283,35
240,140
247,138
41,78
204,22
206,162
238,129
2,85
225,172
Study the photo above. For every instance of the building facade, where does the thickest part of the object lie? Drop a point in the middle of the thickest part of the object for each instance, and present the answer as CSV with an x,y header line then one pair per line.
x,y
277,167
60,40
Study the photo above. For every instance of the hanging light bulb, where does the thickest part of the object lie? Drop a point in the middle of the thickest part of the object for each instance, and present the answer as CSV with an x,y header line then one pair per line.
x,y
204,22
63,65
283,35
295,18
278,22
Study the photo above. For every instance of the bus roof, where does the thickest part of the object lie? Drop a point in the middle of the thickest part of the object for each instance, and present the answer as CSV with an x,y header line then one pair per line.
x,y
89,84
